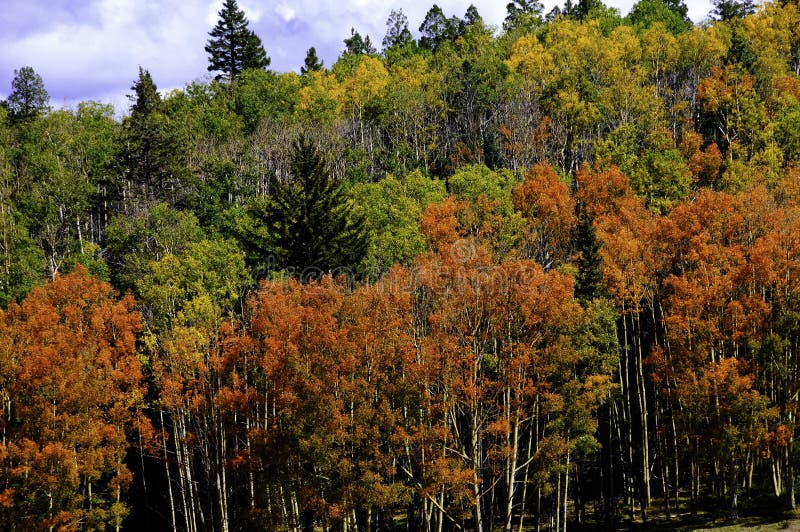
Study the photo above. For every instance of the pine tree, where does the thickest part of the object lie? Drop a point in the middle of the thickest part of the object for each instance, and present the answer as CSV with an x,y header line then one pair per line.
x,y
522,13
357,45
28,97
145,98
150,154
312,62
310,226
437,28
397,32
233,47
733,9
589,280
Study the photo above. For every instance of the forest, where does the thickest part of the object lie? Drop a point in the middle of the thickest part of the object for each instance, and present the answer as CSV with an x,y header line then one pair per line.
x,y
534,277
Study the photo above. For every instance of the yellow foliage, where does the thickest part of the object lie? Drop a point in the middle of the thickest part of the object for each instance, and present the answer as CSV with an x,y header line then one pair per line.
x,y
322,98
368,81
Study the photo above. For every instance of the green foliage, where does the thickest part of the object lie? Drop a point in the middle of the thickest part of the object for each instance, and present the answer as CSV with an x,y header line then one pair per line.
x,y
599,337
233,47
53,190
398,36
673,15
657,170
732,9
787,135
471,182
228,181
261,95
392,209
312,63
151,159
662,177
95,136
309,223
28,96
588,261
134,242
22,260
608,18
198,285
437,29
358,45
525,14
91,258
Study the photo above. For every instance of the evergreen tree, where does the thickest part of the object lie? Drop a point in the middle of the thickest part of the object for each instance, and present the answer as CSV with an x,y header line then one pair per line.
x,y
733,9
397,32
522,13
145,98
28,96
357,45
589,280
254,55
492,154
437,28
471,17
150,153
312,62
233,47
310,227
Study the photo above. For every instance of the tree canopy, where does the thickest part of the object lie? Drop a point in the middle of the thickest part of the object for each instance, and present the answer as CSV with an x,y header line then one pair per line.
x,y
543,276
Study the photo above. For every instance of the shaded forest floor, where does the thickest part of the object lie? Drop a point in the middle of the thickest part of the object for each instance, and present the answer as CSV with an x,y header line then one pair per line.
x,y
776,521
765,516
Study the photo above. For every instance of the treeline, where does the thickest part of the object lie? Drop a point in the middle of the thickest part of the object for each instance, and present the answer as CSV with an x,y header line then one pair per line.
x,y
475,281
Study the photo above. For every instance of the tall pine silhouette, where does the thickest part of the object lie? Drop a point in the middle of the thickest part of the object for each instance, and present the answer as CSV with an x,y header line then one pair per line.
x,y
312,62
589,280
28,97
233,47
150,158
310,225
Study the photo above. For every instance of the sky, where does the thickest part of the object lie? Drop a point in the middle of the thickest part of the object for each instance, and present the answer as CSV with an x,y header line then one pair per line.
x,y
92,49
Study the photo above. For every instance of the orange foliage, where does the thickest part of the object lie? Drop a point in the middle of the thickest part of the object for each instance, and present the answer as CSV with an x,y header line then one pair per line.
x,y
68,358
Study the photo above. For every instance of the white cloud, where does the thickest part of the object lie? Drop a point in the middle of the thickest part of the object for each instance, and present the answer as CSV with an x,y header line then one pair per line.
x,y
286,12
93,60
252,9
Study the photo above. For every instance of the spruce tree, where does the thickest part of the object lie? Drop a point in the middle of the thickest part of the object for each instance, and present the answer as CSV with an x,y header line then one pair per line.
x,y
312,62
310,226
145,98
357,45
28,96
150,155
589,280
525,13
397,32
253,53
233,47
733,9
